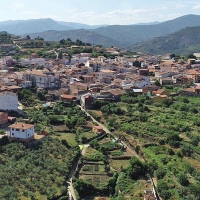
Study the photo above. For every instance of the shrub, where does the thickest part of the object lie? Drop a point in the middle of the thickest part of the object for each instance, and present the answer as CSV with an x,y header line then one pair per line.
x,y
136,168
183,180
160,173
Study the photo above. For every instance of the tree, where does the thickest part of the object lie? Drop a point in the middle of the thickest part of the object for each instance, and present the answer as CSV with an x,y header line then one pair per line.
x,y
60,56
183,180
136,168
163,189
160,173
195,189
157,83
191,56
186,150
41,96
62,41
28,37
83,187
153,166
4,140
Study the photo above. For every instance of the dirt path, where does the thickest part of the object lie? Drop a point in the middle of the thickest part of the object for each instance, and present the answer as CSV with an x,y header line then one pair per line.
x,y
133,153
154,182
71,191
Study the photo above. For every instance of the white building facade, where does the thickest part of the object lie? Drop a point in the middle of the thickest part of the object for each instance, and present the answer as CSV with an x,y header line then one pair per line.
x,y
38,61
8,101
21,131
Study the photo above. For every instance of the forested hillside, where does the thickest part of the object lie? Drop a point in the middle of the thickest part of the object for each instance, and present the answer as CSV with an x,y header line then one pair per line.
x,y
137,33
183,42
81,34
5,38
39,172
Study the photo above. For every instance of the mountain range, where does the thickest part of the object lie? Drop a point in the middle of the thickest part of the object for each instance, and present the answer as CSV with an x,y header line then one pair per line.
x,y
20,27
81,34
107,35
138,33
75,25
182,42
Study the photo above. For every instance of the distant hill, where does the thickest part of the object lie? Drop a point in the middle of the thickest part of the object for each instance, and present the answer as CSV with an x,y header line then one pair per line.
x,y
76,25
137,33
5,38
148,23
20,27
81,34
183,42
114,35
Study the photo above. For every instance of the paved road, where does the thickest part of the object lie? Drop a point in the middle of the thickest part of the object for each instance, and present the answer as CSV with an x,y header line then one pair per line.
x,y
71,191
18,46
94,120
56,54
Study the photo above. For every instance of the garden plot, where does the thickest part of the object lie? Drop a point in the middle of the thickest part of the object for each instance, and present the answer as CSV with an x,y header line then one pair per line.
x,y
95,180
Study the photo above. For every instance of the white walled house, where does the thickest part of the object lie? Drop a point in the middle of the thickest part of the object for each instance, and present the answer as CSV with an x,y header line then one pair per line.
x,y
142,82
42,80
26,84
21,132
36,61
8,101
107,73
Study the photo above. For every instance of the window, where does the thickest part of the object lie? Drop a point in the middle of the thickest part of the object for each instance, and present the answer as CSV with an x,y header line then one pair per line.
x,y
12,129
22,130
12,133
28,134
17,129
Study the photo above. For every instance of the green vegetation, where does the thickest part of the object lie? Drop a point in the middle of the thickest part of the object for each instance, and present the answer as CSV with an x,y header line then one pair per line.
x,y
166,136
184,42
94,155
39,172
5,38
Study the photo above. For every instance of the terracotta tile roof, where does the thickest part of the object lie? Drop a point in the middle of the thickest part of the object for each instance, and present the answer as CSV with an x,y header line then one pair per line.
x,y
98,127
197,87
193,72
189,90
22,126
107,71
116,92
159,91
65,96
163,96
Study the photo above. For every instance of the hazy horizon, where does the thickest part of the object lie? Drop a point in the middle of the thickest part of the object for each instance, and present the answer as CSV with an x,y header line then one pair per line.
x,y
77,21
95,12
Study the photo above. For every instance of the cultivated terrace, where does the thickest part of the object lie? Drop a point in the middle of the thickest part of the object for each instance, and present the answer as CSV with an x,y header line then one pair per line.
x,y
79,120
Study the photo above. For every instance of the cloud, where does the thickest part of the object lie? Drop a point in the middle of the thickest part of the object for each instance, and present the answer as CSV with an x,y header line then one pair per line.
x,y
72,10
126,16
196,7
18,5
31,13
184,4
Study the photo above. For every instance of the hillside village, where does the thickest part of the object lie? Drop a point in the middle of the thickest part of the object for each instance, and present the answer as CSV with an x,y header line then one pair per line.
x,y
83,75
37,92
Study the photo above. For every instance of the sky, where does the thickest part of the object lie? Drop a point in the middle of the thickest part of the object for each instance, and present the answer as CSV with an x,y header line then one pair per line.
x,y
96,12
